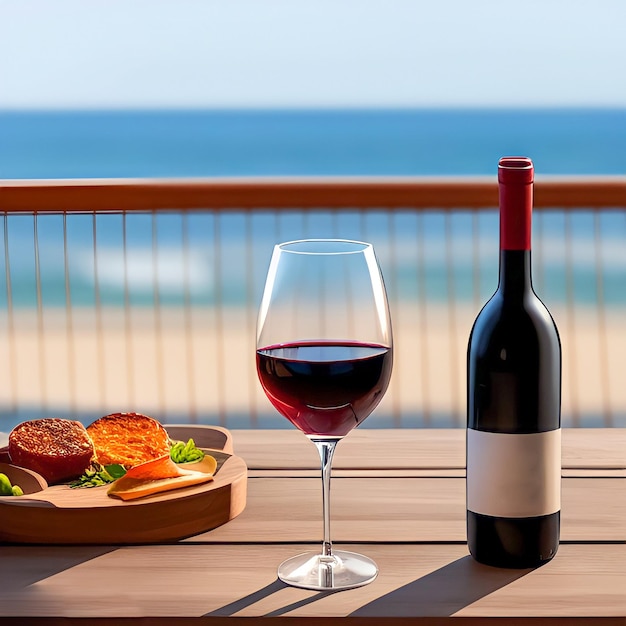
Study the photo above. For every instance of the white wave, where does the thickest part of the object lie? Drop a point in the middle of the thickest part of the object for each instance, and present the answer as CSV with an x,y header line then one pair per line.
x,y
584,252
172,270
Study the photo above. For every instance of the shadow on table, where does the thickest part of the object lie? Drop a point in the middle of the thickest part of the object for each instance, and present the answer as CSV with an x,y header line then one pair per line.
x,y
268,590
249,600
442,592
39,563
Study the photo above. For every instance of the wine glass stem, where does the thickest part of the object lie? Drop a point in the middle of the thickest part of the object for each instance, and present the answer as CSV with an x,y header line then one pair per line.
x,y
326,449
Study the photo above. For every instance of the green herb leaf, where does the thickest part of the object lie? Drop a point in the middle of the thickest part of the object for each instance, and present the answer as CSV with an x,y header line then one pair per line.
x,y
115,471
97,475
181,452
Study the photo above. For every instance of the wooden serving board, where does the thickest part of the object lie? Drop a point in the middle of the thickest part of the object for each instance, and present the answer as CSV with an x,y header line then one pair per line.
x,y
61,515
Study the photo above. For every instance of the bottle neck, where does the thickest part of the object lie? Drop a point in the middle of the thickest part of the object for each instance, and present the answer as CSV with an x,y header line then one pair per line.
x,y
515,273
516,205
515,178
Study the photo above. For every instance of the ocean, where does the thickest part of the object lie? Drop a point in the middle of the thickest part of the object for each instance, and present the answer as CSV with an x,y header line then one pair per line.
x,y
208,259
122,144
83,144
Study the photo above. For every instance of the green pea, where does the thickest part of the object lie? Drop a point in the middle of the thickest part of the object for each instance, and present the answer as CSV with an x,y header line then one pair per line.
x,y
17,490
6,489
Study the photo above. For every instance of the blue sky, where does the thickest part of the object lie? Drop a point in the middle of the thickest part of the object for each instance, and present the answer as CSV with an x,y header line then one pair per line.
x,y
322,53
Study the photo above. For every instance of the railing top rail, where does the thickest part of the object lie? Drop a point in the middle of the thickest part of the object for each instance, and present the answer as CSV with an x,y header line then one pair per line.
x,y
442,193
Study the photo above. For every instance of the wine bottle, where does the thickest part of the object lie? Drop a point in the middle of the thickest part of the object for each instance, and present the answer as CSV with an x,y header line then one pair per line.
x,y
514,400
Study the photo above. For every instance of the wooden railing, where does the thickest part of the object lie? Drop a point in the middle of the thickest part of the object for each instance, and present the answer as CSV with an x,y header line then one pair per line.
x,y
162,345
302,193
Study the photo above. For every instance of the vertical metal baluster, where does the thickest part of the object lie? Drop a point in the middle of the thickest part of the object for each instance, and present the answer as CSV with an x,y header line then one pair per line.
x,y
423,350
99,330
69,324
250,317
363,226
158,322
40,320
602,334
334,216
571,321
219,320
279,227
10,319
538,271
281,234
396,405
189,345
128,330
452,314
476,265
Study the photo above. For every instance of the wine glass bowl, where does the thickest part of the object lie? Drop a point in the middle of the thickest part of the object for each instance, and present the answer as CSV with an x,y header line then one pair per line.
x,y
324,389
324,359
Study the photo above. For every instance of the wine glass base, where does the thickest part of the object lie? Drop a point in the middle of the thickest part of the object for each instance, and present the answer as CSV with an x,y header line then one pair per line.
x,y
342,570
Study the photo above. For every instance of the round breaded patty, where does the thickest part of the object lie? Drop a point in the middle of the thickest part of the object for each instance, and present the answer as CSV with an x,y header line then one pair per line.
x,y
128,439
58,449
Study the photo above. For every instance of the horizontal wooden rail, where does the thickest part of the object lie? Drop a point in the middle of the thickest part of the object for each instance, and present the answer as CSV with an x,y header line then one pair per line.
x,y
444,193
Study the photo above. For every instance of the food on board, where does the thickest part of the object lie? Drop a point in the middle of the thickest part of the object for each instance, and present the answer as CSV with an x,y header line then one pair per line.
x,y
7,489
130,452
153,477
58,449
128,439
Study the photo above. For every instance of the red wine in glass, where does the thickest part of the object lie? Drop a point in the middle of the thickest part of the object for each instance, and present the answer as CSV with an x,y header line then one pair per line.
x,y
325,388
324,358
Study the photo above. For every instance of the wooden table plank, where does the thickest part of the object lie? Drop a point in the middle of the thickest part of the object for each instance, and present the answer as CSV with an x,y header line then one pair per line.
x,y
221,581
290,449
373,473
583,448
416,473
404,509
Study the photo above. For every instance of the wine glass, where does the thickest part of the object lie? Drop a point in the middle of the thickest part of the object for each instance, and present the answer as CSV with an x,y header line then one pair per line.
x,y
324,359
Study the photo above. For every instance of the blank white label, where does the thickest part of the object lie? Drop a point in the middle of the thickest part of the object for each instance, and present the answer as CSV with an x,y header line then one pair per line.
x,y
513,475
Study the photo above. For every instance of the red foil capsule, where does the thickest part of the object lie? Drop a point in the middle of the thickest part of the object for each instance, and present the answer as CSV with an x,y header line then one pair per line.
x,y
515,181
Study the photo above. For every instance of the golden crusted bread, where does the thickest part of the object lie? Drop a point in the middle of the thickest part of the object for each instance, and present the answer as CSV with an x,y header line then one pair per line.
x,y
128,439
58,449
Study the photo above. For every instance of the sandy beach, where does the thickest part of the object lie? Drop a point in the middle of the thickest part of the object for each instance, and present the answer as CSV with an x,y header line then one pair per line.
x,y
198,365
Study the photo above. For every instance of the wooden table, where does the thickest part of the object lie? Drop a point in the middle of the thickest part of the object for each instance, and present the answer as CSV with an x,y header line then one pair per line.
x,y
397,496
